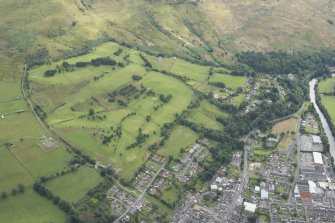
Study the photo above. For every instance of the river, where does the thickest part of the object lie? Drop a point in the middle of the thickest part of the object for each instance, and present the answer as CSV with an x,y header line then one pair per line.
x,y
325,125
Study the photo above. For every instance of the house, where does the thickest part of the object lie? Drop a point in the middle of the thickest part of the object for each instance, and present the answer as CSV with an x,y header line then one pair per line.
x,y
2,116
216,96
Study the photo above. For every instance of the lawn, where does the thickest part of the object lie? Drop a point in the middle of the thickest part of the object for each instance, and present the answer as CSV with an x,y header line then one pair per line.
x,y
29,207
288,125
230,81
181,137
171,194
260,155
329,103
74,186
327,85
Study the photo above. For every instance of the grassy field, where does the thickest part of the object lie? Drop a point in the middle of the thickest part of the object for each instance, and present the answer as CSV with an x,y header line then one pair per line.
x,y
329,103
285,142
285,126
327,85
12,171
181,137
206,115
29,207
230,81
171,194
74,186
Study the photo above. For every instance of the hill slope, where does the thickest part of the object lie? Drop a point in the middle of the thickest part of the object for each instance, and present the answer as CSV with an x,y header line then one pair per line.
x,y
211,30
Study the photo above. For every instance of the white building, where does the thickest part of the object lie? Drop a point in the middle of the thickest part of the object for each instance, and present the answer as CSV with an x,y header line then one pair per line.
x,y
317,158
316,139
218,180
249,207
257,189
214,187
264,195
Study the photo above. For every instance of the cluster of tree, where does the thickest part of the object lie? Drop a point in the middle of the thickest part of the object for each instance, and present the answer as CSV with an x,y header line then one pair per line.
x,y
128,90
50,73
116,133
118,52
39,111
19,189
136,77
39,57
184,79
82,155
103,61
165,98
139,139
146,61
282,62
218,84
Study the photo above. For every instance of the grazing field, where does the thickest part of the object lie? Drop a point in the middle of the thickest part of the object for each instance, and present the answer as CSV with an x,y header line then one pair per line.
x,y
12,171
29,207
181,137
74,185
329,103
206,115
327,85
288,125
230,81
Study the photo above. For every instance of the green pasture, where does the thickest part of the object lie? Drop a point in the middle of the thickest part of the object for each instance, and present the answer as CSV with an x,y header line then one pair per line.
x,y
171,194
206,115
327,85
181,137
329,103
12,171
74,185
181,95
29,207
230,81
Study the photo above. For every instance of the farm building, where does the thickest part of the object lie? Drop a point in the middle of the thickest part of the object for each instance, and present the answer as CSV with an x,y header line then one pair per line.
x,y
317,158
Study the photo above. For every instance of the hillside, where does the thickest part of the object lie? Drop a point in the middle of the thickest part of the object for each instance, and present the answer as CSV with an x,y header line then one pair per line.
x,y
210,30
